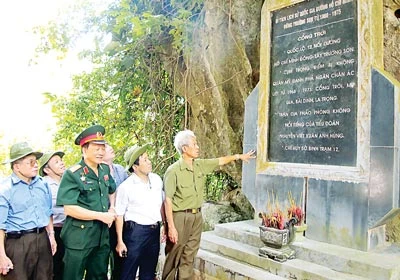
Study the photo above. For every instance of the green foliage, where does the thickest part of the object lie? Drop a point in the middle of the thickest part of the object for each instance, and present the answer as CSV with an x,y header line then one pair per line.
x,y
218,184
129,90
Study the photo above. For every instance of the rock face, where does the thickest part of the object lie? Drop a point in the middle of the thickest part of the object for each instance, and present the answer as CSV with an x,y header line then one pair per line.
x,y
219,72
391,25
217,213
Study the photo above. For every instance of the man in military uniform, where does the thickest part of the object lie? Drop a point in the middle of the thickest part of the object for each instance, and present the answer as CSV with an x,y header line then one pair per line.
x,y
87,194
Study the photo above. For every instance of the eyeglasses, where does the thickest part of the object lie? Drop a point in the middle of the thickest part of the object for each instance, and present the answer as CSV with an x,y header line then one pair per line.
x,y
31,162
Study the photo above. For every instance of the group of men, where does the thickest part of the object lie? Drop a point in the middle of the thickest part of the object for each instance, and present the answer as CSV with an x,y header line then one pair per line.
x,y
75,209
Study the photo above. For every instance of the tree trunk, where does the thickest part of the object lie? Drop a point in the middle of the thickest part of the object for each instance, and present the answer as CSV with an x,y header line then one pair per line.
x,y
220,71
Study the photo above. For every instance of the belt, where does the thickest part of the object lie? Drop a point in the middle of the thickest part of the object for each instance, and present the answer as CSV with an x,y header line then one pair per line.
x,y
18,234
193,211
131,224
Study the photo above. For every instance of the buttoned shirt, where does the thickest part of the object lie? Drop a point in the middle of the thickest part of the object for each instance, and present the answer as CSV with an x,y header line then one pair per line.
x,y
82,187
185,186
58,211
24,206
139,201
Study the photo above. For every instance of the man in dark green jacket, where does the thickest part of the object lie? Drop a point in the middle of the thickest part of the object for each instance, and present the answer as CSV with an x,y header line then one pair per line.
x,y
87,194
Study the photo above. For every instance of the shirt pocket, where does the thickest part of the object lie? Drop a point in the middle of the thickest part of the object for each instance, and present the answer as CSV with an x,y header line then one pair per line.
x,y
82,224
187,190
21,206
21,203
77,234
89,186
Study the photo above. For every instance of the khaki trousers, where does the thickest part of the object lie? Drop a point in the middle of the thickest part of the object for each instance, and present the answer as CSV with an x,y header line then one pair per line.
x,y
180,256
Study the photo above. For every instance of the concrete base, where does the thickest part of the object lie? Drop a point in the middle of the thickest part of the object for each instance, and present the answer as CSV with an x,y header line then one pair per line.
x,y
231,252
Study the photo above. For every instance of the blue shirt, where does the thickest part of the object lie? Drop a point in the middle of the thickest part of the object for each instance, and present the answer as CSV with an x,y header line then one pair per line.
x,y
119,174
24,206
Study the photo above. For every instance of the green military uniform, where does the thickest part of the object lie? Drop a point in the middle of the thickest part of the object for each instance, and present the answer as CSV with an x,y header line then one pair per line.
x,y
80,186
87,243
185,188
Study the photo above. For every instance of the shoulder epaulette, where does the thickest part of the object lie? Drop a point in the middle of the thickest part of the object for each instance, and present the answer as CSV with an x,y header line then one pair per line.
x,y
104,165
75,168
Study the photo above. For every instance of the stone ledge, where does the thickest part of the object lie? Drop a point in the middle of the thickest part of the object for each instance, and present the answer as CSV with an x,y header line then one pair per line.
x,y
382,263
291,269
212,266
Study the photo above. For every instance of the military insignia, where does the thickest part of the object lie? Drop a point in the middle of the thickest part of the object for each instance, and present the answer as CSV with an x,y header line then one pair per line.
x,y
75,168
83,178
106,177
86,170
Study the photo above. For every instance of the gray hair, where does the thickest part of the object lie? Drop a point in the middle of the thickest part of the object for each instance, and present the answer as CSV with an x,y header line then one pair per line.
x,y
182,138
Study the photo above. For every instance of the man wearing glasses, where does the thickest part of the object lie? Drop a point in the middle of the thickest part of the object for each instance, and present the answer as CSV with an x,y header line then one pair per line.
x,y
26,226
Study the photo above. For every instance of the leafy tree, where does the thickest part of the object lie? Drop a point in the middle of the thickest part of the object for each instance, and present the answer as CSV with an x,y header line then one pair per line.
x,y
129,91
161,66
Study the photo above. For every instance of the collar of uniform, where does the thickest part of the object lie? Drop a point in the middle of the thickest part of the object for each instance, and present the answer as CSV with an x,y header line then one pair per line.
x,y
83,165
99,166
184,165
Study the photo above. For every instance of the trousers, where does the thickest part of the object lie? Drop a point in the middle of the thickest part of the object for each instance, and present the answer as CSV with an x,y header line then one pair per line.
x,y
31,256
91,263
143,244
180,256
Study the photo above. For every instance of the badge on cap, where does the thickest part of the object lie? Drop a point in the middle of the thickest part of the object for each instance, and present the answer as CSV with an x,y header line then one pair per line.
x,y
94,134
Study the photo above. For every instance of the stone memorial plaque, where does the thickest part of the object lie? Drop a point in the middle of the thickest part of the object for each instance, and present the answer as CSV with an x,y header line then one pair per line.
x,y
313,83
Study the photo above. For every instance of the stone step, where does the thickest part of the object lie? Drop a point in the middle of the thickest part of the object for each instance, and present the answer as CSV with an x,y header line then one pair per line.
x,y
213,266
381,264
290,269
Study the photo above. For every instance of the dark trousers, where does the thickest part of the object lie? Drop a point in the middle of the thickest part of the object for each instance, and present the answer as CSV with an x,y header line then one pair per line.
x,y
115,259
143,244
31,257
58,265
91,263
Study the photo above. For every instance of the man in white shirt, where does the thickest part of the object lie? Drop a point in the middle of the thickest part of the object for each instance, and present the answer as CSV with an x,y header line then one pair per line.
x,y
139,206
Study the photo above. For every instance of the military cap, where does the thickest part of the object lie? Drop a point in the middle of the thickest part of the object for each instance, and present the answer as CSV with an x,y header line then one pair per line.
x,y
132,154
94,134
21,150
45,159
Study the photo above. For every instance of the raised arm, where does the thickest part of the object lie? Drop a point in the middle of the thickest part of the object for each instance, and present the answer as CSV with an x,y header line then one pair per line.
x,y
244,157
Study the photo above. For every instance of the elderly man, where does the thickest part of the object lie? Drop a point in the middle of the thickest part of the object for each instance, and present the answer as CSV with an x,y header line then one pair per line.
x,y
87,194
52,168
139,207
26,226
184,182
